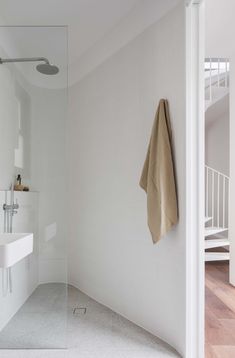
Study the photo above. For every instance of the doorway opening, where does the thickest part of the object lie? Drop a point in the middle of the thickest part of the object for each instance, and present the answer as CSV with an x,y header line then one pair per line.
x,y
218,290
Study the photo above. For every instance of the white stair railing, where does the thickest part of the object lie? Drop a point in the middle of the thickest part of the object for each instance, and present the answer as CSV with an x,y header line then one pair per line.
x,y
216,75
217,197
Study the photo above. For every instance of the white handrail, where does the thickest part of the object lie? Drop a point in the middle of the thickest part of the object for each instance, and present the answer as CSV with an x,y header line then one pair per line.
x,y
216,171
217,197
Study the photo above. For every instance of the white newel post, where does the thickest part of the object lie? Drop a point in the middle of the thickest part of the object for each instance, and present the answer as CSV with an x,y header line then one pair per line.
x,y
232,172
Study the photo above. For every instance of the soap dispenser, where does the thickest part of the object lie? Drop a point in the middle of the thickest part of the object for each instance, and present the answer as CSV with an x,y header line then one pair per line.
x,y
18,179
18,186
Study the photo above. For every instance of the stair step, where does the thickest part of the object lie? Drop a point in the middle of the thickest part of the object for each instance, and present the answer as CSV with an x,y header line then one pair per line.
x,y
213,230
207,104
210,244
217,256
207,218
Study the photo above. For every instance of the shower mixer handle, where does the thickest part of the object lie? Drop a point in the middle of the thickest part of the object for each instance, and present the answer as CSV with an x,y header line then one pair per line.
x,y
12,207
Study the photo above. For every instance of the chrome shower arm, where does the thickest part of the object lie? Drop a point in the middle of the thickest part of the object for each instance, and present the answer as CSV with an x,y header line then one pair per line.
x,y
45,68
24,59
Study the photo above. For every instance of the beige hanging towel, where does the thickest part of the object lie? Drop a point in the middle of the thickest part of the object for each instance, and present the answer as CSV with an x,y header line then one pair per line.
x,y
158,177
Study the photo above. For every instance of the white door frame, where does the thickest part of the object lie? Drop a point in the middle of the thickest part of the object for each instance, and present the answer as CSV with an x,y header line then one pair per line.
x,y
195,159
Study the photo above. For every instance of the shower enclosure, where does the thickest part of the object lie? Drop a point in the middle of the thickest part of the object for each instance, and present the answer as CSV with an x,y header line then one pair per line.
x,y
33,111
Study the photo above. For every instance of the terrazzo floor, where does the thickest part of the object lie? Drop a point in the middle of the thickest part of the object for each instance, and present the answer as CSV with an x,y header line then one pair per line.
x,y
47,320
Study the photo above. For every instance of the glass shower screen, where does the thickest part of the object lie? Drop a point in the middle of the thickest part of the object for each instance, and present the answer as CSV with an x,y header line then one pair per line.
x,y
33,111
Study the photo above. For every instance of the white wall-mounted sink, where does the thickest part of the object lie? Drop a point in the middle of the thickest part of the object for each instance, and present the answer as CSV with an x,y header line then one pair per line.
x,y
14,247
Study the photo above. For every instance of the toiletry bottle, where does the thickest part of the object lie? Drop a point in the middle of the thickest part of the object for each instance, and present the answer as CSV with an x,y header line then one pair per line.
x,y
18,180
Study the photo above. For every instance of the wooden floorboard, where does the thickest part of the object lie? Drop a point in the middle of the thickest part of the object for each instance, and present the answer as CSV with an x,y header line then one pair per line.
x,y
219,312
222,352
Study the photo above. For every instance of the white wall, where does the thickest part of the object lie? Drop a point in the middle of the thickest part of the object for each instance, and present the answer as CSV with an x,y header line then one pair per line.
x,y
220,28
217,142
15,126
111,255
9,116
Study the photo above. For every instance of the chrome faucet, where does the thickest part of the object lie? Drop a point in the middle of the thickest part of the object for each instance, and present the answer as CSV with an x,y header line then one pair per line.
x,y
9,211
11,207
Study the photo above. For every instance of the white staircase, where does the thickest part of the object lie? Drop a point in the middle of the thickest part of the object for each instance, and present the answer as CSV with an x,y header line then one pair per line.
x,y
216,183
216,214
216,80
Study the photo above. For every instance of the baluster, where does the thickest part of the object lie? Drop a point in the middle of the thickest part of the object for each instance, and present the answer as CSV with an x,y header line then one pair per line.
x,y
210,86
207,192
228,190
226,72
218,199
212,196
224,183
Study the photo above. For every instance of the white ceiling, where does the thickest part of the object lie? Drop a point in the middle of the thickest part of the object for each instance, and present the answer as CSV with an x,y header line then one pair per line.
x,y
88,20
88,23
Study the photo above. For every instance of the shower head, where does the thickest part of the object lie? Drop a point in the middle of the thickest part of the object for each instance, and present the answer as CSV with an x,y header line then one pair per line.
x,y
45,68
